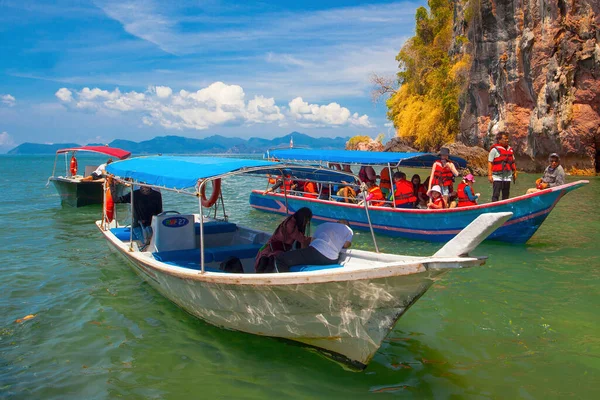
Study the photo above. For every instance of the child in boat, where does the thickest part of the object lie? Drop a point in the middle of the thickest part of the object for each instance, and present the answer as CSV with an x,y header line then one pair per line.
x,y
465,192
375,196
403,191
292,229
436,201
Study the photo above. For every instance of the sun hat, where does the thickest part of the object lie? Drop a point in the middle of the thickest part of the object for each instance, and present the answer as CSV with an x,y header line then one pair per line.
x,y
470,177
444,151
435,188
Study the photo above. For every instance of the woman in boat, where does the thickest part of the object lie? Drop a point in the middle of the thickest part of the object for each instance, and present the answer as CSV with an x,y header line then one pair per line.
x,y
443,172
310,190
436,200
385,184
420,191
465,192
403,191
292,229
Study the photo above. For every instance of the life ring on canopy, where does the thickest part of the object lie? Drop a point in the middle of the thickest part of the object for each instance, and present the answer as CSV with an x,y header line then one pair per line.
x,y
214,196
349,194
272,180
109,205
73,166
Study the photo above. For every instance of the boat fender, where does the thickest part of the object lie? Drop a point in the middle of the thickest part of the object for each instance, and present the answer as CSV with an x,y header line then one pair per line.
x,y
214,196
73,166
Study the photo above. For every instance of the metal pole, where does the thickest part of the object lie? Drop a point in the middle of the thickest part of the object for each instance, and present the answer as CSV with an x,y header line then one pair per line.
x,y
104,205
287,211
132,219
201,227
370,225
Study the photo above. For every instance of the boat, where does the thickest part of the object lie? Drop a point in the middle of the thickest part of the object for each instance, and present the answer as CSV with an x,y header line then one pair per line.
x,y
72,189
344,310
529,210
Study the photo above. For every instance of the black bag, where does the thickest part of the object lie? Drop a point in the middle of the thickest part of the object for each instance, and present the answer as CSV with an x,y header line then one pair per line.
x,y
233,265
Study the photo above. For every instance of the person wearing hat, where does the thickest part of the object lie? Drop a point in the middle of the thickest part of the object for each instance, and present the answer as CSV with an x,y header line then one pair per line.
x,y
465,192
501,167
436,201
554,175
443,172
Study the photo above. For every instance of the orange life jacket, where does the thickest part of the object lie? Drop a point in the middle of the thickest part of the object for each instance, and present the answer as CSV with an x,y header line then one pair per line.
x,y
439,201
463,199
404,193
310,190
442,176
505,161
377,196
384,181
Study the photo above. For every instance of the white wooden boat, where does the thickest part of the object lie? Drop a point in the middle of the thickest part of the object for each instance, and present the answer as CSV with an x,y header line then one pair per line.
x,y
346,310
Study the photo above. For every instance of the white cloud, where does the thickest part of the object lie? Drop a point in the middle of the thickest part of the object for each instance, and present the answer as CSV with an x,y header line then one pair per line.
x,y
64,94
6,139
8,100
218,104
331,114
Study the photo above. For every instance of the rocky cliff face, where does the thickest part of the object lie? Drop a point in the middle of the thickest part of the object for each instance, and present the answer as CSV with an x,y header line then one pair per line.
x,y
535,74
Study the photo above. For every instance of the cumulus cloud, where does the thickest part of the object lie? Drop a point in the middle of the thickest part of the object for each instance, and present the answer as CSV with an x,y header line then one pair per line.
x,y
8,100
331,114
6,139
64,94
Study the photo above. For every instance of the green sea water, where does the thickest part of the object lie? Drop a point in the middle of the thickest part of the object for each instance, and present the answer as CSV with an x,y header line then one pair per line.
x,y
525,325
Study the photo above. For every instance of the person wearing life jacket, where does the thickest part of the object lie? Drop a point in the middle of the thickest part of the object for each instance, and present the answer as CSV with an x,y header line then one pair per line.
x,y
282,183
404,196
501,167
385,184
420,191
375,196
310,190
436,200
465,192
367,174
443,172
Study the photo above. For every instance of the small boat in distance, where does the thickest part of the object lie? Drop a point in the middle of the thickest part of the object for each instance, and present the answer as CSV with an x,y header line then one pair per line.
x,y
528,211
71,187
345,310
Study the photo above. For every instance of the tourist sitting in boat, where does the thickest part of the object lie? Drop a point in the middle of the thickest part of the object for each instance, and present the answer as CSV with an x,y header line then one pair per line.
x,y
436,200
452,200
404,196
310,190
346,194
465,192
375,196
146,204
385,184
327,242
367,174
443,172
291,230
554,175
280,182
99,172
420,191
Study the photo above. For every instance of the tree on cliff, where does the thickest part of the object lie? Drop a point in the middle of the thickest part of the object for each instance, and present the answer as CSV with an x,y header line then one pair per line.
x,y
425,109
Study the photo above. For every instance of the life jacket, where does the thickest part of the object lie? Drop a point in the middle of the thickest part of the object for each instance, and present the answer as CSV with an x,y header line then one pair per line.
x,y
384,181
288,184
439,201
420,189
463,199
442,176
505,161
362,175
377,195
272,180
404,193
310,190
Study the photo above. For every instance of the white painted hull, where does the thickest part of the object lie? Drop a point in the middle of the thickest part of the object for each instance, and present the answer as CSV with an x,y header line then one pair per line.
x,y
347,315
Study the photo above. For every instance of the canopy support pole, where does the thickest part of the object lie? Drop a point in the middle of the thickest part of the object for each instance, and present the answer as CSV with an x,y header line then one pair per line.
x,y
198,191
370,224
132,219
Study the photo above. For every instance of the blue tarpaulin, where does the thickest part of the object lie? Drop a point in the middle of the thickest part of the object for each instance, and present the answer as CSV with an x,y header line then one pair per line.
x,y
360,157
180,172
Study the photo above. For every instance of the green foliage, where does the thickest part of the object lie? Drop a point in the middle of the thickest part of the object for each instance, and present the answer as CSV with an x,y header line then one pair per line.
x,y
425,108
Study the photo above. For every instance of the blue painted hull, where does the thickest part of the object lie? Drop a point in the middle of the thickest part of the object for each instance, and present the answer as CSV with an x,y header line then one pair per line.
x,y
529,212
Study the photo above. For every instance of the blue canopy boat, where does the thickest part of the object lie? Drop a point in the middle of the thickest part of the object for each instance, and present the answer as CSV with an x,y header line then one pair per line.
x,y
529,211
323,306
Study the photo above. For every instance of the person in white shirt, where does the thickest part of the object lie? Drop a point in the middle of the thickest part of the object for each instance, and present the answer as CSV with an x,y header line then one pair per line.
x,y
99,172
327,242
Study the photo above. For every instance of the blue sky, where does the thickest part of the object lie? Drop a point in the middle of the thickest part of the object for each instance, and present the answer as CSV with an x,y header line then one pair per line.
x,y
79,71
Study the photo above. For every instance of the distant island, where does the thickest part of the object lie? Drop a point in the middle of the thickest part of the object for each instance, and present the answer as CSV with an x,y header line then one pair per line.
x,y
183,145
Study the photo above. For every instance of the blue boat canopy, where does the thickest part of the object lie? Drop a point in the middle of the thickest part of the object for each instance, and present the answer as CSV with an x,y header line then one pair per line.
x,y
359,157
180,172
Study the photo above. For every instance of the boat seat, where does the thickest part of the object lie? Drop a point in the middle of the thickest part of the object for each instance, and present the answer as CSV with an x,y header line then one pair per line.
x,y
213,227
211,254
123,234
172,232
306,268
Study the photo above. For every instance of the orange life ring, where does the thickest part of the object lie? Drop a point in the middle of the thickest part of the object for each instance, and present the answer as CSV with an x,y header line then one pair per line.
x,y
349,194
73,166
214,196
109,205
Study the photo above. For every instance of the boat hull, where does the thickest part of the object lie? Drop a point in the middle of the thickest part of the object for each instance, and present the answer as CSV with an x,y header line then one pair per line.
x,y
529,212
347,319
76,193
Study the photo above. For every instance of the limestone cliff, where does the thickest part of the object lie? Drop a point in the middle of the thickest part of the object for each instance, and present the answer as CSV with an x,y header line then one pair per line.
x,y
535,73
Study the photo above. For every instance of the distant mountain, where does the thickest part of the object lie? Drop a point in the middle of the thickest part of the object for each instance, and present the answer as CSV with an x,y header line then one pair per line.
x,y
211,144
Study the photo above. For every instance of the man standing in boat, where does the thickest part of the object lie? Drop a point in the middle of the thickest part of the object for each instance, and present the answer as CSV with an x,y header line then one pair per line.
x,y
501,167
